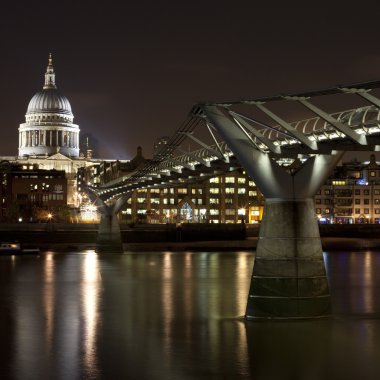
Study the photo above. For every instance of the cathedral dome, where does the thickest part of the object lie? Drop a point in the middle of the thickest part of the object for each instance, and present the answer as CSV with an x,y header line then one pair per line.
x,y
49,100
48,126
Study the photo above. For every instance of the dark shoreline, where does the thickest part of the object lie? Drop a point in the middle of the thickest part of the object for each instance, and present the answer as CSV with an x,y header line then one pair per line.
x,y
249,244
328,244
190,237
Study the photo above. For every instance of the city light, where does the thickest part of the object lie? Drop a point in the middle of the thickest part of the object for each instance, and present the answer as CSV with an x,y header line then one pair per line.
x,y
88,212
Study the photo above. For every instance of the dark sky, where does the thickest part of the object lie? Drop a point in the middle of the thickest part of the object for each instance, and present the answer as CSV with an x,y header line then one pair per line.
x,y
133,70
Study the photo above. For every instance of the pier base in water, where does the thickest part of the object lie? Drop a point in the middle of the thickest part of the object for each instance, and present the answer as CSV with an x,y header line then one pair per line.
x,y
109,236
289,278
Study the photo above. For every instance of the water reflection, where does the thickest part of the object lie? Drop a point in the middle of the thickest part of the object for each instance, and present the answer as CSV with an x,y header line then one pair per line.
x,y
91,285
48,298
178,316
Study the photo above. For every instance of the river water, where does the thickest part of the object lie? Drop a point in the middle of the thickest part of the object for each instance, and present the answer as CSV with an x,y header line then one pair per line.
x,y
167,315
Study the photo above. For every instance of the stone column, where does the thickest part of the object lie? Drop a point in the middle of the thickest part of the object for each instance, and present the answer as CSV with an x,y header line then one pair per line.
x,y
109,238
289,278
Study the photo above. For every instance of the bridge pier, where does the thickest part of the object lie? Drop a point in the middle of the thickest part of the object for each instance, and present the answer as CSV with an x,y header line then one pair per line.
x,y
289,278
109,236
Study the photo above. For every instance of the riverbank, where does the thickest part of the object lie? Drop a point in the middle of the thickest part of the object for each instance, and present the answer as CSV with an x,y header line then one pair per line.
x,y
249,244
329,244
80,237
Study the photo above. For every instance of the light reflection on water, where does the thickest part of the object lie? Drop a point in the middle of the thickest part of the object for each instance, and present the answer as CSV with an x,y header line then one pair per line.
x,y
91,285
178,316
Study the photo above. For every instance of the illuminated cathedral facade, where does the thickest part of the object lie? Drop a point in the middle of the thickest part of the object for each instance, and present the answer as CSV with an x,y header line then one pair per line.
x,y
48,127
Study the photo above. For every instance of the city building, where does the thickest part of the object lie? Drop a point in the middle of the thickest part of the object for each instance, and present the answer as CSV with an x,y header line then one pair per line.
x,y
227,198
48,127
48,140
351,194
31,194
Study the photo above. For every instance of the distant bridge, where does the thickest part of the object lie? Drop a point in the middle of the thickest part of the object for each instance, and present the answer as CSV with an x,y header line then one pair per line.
x,y
289,161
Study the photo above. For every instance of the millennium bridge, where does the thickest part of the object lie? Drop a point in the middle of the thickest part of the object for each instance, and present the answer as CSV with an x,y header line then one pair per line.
x,y
288,161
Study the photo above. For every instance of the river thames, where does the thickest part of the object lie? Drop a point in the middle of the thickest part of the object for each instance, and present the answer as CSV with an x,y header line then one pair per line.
x,y
178,315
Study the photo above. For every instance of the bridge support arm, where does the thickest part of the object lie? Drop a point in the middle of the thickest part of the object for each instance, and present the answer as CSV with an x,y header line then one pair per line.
x,y
289,277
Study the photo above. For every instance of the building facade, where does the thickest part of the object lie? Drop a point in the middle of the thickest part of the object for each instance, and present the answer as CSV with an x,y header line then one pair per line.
x,y
29,194
228,198
351,194
48,140
48,127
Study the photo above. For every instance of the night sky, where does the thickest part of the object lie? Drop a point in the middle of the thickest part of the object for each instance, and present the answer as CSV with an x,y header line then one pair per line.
x,y
132,71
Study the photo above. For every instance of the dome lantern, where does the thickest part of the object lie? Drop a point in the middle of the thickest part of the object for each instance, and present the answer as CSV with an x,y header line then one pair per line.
x,y
50,75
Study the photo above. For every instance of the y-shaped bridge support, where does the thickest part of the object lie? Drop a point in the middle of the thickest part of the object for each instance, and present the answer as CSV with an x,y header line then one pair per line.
x,y
289,277
109,236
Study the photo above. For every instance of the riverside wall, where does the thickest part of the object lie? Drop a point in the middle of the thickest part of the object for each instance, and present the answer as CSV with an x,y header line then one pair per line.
x,y
187,236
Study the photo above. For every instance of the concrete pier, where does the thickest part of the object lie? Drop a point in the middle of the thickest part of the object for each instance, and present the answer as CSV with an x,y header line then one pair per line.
x,y
289,277
109,236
